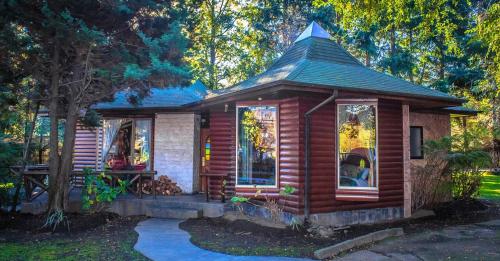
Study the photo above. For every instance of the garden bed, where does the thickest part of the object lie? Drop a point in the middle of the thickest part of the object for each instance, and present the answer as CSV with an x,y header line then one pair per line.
x,y
91,237
242,237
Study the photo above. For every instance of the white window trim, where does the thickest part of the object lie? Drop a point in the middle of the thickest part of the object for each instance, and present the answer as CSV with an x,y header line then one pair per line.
x,y
277,144
373,102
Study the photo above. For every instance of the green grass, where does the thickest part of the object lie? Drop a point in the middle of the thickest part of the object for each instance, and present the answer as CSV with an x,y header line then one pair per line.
x,y
490,187
95,247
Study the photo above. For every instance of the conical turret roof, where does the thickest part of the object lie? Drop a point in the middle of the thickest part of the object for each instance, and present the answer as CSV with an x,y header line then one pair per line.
x,y
315,59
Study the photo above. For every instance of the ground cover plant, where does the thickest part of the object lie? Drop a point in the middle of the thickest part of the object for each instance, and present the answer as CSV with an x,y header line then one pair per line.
x,y
92,237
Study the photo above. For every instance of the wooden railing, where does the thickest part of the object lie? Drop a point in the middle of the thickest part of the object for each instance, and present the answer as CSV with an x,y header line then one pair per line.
x,y
36,179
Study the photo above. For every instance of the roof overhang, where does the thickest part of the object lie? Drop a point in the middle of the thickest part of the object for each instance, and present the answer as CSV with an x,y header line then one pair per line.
x,y
285,85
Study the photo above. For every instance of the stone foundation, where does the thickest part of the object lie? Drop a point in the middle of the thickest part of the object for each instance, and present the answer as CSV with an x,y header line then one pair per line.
x,y
356,217
333,219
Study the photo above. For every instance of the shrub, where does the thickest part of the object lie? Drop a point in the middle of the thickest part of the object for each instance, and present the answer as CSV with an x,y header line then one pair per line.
x,y
454,160
97,191
466,172
431,182
271,204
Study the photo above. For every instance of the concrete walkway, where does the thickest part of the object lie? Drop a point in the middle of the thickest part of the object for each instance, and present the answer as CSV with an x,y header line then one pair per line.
x,y
468,242
162,239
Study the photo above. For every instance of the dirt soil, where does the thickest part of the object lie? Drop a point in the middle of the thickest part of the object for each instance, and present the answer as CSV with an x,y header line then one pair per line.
x,y
242,237
101,236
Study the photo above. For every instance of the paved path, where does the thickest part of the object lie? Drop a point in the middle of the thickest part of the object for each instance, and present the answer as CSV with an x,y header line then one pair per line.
x,y
162,239
468,242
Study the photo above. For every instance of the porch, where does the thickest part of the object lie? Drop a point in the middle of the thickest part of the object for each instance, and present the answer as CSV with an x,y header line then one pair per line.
x,y
179,206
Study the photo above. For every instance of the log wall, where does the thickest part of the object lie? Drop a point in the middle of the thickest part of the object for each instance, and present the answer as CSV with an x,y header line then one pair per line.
x,y
323,165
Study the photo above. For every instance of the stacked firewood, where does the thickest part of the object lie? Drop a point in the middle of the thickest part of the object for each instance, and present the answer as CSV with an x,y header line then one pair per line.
x,y
164,186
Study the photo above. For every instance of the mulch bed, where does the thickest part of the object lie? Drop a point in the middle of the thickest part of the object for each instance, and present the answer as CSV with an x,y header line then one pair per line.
x,y
34,224
242,237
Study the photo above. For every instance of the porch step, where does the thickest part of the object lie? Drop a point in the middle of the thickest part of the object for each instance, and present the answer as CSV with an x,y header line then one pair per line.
x,y
178,213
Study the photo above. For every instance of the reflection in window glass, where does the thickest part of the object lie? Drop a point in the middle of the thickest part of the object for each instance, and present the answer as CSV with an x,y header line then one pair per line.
x,y
127,144
357,145
256,145
142,144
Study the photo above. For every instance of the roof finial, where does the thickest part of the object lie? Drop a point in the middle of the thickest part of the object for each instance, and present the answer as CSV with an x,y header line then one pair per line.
x,y
313,30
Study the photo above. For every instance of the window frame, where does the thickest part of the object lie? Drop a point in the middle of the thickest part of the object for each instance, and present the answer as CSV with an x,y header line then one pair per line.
x,y
151,135
421,142
276,133
338,103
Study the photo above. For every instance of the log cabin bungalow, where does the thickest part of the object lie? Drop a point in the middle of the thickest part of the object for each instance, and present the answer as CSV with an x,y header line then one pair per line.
x,y
343,135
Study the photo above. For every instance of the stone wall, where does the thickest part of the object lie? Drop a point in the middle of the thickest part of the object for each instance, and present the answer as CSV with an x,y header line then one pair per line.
x,y
330,219
176,148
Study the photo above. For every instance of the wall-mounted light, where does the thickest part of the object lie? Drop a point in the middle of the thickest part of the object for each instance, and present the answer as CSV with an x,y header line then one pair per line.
x,y
226,107
260,98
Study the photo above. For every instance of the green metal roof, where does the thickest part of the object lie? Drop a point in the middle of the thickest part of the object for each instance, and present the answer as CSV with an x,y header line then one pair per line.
x,y
317,60
168,97
460,110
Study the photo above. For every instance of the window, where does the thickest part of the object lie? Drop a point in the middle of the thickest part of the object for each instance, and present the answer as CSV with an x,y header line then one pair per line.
x,y
256,146
126,144
357,145
207,149
416,142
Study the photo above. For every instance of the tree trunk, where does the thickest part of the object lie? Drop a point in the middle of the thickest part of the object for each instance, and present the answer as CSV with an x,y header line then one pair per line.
x,y
26,154
54,203
410,73
212,51
66,164
393,48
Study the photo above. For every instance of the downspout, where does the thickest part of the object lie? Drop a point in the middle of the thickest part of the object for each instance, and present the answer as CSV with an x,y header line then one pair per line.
x,y
307,115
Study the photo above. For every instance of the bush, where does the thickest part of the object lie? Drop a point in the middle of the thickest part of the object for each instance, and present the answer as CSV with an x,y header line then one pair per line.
x,y
455,159
97,191
271,204
431,182
466,172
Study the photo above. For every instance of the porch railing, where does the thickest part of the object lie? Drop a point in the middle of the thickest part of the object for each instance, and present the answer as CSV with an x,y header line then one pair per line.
x,y
36,179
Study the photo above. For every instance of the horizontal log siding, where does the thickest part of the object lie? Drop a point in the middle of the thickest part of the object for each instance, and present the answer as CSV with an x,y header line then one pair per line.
x,y
291,152
323,165
86,153
223,142
223,149
322,154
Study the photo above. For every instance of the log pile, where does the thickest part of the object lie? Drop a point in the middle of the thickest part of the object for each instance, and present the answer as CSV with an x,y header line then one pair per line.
x,y
164,187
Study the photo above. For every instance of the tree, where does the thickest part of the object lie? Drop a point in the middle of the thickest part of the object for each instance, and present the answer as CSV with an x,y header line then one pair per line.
x,y
213,29
90,50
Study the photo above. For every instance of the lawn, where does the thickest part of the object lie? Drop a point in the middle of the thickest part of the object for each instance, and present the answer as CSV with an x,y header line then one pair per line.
x,y
90,248
490,187
112,241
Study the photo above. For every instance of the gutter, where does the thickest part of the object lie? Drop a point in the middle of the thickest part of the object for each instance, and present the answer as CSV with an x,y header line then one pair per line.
x,y
307,137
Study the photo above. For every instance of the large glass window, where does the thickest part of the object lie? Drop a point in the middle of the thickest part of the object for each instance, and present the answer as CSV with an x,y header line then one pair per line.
x,y
127,144
256,148
357,145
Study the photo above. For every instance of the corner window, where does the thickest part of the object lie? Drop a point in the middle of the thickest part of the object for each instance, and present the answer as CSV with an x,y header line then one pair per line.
x,y
357,145
416,142
256,146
